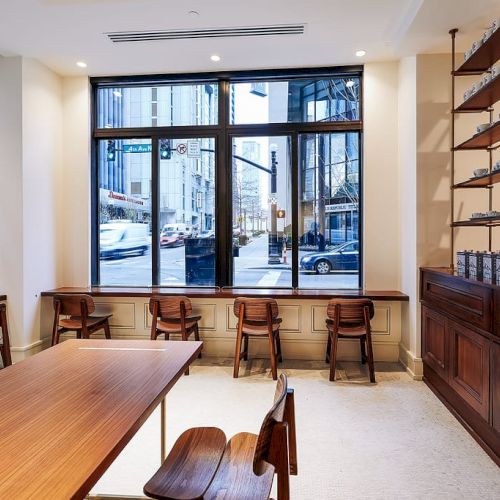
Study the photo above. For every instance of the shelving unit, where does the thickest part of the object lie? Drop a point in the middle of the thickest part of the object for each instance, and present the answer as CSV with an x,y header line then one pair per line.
x,y
481,101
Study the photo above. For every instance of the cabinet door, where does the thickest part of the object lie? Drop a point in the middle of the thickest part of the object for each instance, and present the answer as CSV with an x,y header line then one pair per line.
x,y
495,385
470,367
435,341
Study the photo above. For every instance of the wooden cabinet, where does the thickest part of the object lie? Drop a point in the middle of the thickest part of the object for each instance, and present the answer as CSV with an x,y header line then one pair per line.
x,y
470,367
495,386
461,350
435,341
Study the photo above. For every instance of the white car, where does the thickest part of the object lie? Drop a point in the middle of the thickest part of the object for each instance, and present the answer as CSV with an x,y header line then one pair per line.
x,y
122,239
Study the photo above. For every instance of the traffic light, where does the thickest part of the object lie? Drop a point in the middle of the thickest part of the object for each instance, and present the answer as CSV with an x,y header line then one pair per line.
x,y
111,151
165,151
280,214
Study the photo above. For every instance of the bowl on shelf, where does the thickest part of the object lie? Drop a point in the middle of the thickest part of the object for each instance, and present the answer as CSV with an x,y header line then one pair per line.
x,y
479,172
482,127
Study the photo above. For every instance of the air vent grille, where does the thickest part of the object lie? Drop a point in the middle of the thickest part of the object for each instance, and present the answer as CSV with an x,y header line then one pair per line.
x,y
148,36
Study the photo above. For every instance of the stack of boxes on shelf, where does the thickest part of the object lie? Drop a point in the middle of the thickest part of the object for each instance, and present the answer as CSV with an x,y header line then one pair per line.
x,y
483,266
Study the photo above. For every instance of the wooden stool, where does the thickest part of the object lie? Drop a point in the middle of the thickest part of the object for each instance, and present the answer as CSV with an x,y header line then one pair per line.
x,y
173,315
5,347
257,318
202,465
78,307
350,318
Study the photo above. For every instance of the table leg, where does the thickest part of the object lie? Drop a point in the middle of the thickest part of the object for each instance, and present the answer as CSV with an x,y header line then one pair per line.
x,y
163,431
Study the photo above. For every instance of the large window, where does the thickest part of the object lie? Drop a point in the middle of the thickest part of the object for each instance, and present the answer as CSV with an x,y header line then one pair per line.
x,y
232,180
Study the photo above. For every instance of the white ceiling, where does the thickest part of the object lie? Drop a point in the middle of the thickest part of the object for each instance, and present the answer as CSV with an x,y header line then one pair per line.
x,y
61,32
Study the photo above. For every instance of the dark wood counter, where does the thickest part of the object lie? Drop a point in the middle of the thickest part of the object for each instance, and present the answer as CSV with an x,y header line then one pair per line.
x,y
461,350
3,297
231,293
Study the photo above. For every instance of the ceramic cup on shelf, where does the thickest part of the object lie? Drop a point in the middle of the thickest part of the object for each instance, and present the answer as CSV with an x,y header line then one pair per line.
x,y
496,166
467,94
467,54
482,127
474,88
495,71
495,24
480,172
477,215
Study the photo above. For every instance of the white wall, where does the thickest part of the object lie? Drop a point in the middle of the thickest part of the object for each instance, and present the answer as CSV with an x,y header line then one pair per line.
x,y
11,203
76,181
380,171
30,164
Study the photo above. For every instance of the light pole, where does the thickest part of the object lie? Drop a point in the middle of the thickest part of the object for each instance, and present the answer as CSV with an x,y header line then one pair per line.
x,y
274,254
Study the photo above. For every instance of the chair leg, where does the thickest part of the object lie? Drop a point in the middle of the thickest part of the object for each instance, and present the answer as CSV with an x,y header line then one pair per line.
x,y
197,335
272,352
6,358
363,350
245,348
371,364
107,332
328,348
237,354
278,347
333,355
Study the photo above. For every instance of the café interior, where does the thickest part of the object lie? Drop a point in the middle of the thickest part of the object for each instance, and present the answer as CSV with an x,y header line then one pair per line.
x,y
249,250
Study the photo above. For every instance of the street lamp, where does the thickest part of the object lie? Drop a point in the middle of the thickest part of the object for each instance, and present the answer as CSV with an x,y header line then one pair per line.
x,y
273,256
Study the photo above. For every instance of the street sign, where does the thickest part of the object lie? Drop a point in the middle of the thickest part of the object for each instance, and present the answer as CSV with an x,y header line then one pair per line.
x,y
181,148
193,149
137,148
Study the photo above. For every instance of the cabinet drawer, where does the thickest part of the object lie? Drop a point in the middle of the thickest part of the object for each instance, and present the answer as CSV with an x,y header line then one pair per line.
x,y
435,344
470,302
495,385
470,367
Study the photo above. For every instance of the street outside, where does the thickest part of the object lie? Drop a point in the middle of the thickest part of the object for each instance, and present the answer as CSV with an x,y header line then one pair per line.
x,y
250,269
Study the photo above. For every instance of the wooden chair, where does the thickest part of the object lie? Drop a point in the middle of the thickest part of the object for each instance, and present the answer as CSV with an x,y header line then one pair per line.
x,y
202,466
173,315
350,318
78,307
257,318
5,347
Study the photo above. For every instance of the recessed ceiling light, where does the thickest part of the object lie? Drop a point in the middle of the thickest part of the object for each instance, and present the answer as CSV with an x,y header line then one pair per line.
x,y
81,64
215,58
117,93
360,53
349,83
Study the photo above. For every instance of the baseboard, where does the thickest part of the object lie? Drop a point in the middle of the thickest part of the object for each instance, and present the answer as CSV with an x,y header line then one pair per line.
x,y
412,364
19,353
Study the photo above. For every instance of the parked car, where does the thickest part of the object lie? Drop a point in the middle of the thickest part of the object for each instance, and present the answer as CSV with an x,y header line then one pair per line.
x,y
206,233
123,239
171,239
344,257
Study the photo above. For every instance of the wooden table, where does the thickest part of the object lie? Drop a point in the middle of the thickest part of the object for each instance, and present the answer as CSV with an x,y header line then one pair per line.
x,y
67,412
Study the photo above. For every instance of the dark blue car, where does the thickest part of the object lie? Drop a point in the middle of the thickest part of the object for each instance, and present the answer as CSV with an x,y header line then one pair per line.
x,y
344,257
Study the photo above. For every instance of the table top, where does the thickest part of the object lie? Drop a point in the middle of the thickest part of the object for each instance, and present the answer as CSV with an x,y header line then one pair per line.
x,y
231,293
67,412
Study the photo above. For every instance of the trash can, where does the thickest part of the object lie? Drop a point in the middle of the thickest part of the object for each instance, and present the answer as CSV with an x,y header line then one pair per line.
x,y
200,261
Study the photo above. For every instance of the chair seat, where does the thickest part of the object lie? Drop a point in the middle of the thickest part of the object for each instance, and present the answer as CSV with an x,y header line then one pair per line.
x,y
235,478
254,329
75,322
174,326
190,465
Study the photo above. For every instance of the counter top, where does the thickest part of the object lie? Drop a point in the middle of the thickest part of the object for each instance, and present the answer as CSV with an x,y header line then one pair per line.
x,y
230,293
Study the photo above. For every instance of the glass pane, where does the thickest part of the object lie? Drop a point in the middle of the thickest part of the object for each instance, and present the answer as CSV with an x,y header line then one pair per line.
x,y
187,212
262,215
125,212
329,210
163,105
312,100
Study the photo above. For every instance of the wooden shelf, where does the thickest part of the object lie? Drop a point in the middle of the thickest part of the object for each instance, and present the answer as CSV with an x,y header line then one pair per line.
x,y
483,99
486,222
484,57
483,140
480,182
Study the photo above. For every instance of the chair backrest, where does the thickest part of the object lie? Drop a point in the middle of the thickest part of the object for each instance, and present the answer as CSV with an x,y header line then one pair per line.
x,y
274,415
71,305
255,309
170,306
351,310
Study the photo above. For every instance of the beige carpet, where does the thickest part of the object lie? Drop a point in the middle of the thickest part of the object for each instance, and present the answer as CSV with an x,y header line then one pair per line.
x,y
392,440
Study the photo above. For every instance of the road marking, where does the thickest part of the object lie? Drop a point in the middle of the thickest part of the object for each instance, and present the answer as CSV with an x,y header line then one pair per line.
x,y
270,278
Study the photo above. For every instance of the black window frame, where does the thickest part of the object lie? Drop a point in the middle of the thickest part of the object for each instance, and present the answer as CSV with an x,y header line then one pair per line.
x,y
223,132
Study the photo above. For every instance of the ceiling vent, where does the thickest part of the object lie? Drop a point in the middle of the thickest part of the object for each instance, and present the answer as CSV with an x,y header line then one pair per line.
x,y
148,36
